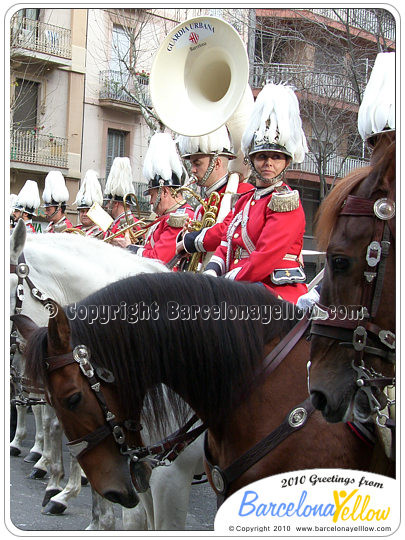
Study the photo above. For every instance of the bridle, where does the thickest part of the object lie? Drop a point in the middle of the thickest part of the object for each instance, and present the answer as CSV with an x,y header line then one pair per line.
x,y
21,269
360,332
165,451
161,453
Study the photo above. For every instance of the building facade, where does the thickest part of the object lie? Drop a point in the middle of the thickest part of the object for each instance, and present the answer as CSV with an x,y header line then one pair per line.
x,y
80,86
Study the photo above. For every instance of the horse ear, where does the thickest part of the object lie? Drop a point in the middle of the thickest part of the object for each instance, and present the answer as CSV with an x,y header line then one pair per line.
x,y
58,330
17,241
24,324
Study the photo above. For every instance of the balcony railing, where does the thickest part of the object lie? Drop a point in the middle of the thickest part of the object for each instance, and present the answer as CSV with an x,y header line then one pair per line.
x,y
41,37
27,146
335,166
118,86
331,86
365,19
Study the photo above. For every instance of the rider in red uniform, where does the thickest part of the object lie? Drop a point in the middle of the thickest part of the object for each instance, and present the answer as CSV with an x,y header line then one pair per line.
x,y
264,239
55,197
89,193
118,186
164,172
26,204
210,157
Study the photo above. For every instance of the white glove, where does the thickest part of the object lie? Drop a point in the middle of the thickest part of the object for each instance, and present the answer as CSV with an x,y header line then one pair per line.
x,y
306,301
210,273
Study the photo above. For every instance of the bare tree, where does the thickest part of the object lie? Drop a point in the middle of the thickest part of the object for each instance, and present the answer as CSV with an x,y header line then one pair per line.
x,y
136,36
328,64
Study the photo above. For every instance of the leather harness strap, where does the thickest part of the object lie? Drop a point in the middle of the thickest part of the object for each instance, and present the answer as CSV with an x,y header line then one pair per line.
x,y
295,419
223,478
21,385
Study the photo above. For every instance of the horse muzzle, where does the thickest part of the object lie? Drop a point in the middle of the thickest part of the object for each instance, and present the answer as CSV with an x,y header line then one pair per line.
x,y
127,498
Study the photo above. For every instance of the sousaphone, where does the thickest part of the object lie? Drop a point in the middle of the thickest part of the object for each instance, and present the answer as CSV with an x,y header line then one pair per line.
x,y
199,78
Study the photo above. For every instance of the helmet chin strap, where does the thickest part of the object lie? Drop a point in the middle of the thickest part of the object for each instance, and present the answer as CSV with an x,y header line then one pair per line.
x,y
209,170
267,181
159,196
56,211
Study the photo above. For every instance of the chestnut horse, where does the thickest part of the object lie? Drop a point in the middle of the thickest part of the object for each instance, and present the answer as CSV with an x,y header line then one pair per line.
x,y
352,366
205,338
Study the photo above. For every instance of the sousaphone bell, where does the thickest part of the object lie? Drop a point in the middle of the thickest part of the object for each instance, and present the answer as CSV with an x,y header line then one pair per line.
x,y
199,76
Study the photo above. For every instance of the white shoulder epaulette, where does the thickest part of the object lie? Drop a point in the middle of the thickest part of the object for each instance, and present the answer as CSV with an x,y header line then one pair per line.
x,y
284,201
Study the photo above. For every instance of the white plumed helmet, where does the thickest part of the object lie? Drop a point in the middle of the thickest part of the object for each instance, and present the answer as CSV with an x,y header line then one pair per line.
x,y
377,109
275,124
90,191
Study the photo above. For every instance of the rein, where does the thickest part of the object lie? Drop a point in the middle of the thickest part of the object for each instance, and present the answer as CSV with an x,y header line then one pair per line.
x,y
21,269
366,337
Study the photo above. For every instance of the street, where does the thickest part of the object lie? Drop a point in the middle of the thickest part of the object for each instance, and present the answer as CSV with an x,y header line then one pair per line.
x,y
26,497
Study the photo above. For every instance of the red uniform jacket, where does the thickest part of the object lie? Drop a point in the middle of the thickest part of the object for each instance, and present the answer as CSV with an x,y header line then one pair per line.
x,y
60,226
263,237
160,242
119,223
93,230
208,239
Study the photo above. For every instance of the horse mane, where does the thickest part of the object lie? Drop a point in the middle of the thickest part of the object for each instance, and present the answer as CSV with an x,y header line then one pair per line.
x,y
382,166
35,352
211,360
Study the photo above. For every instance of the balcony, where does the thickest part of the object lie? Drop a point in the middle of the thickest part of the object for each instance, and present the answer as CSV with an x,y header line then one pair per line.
x,y
304,78
117,90
31,148
336,166
365,19
41,41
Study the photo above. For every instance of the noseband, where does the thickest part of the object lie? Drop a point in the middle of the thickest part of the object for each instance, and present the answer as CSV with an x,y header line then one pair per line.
x,y
358,331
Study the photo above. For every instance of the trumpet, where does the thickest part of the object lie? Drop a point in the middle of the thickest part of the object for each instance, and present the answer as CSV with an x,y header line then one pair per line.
x,y
124,202
193,193
74,230
134,235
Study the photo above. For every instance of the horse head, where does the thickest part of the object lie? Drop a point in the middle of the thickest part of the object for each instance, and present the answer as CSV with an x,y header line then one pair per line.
x,y
353,341
85,404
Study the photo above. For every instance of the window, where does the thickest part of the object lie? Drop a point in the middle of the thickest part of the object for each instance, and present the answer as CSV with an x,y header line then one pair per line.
x,y
325,60
26,104
32,14
115,147
310,201
120,49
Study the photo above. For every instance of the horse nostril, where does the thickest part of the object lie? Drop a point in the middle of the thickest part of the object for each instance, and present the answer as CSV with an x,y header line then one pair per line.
x,y
318,400
129,500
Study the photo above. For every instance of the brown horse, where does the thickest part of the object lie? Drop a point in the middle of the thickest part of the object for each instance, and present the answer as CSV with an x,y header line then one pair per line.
x,y
205,339
353,342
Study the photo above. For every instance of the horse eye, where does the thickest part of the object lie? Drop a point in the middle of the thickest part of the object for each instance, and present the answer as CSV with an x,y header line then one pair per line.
x,y
340,264
73,401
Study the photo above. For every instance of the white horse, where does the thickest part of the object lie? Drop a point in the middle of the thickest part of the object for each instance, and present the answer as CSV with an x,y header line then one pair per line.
x,y
67,268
